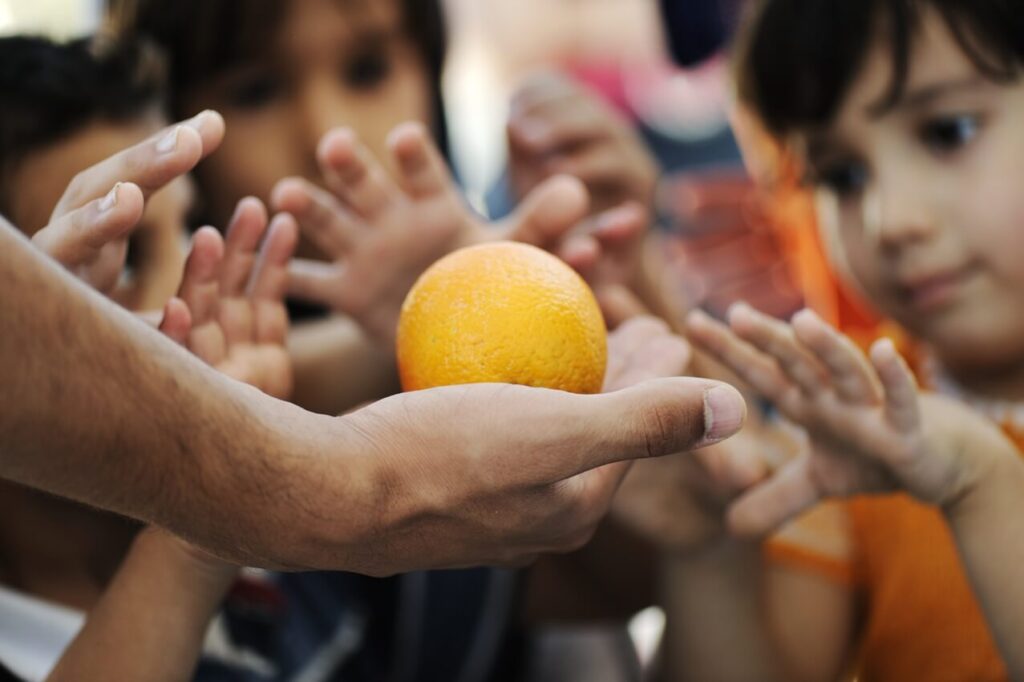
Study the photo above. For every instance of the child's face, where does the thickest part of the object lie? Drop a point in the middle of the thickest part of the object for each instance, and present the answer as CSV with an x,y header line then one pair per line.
x,y
331,64
924,202
157,247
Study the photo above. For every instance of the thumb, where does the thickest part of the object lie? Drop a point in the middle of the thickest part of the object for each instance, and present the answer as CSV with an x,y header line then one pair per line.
x,y
78,236
549,212
653,419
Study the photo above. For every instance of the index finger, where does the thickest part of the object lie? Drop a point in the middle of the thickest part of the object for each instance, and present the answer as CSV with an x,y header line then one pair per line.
x,y
151,164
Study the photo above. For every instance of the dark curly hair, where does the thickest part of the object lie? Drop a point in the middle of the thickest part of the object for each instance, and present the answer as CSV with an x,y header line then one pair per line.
x,y
49,91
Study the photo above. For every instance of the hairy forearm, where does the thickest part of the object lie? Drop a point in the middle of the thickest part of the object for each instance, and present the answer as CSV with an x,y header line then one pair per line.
x,y
337,367
151,621
100,408
988,524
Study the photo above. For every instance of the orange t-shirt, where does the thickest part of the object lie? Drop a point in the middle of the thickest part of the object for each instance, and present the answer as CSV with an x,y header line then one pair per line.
x,y
921,620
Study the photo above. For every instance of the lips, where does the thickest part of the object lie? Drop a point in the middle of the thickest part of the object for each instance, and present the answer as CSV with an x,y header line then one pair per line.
x,y
934,289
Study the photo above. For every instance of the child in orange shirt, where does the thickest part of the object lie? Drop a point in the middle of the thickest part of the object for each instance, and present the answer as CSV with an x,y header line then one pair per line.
x,y
907,116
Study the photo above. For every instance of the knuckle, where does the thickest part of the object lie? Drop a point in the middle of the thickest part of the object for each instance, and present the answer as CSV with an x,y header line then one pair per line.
x,y
659,428
73,195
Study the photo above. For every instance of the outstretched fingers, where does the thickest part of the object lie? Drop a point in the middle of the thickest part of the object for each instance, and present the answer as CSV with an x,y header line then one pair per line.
x,y
422,171
151,165
323,219
355,176
200,290
176,321
777,340
269,283
901,393
549,212
750,364
241,245
850,374
77,237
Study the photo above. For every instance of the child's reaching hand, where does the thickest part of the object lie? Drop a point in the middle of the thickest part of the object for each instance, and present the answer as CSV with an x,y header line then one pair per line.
x,y
234,293
557,126
380,234
89,229
870,428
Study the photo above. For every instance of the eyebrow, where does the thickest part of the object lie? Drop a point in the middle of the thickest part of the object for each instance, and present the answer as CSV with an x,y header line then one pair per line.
x,y
924,95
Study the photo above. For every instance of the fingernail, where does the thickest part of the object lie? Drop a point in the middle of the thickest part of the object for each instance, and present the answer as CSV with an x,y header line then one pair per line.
x,y
110,201
196,120
616,216
169,141
698,317
532,132
738,308
724,412
806,313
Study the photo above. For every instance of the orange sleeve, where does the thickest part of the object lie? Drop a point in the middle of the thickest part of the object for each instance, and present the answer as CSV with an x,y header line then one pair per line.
x,y
819,542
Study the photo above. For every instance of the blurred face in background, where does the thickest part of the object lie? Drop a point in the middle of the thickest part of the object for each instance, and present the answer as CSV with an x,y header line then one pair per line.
x,y
329,63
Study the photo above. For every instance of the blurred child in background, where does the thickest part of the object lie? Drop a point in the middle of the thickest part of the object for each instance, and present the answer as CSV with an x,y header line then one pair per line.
x,y
907,119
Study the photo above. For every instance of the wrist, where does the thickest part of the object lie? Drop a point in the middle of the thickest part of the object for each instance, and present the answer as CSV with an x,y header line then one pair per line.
x,y
193,570
991,472
322,506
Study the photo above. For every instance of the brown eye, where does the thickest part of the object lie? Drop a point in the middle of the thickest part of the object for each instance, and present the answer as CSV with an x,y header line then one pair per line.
x,y
948,134
367,69
842,179
253,91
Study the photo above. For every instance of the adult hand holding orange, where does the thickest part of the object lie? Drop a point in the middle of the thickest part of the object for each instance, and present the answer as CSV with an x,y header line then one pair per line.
x,y
508,472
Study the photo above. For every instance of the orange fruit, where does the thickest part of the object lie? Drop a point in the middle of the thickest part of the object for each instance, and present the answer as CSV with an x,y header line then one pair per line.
x,y
502,312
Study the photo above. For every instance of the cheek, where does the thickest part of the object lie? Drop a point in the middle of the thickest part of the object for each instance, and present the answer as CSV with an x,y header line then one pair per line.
x,y
990,201
374,117
995,228
860,268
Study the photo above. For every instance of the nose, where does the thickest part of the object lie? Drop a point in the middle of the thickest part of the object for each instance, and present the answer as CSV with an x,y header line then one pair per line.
x,y
897,210
323,108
